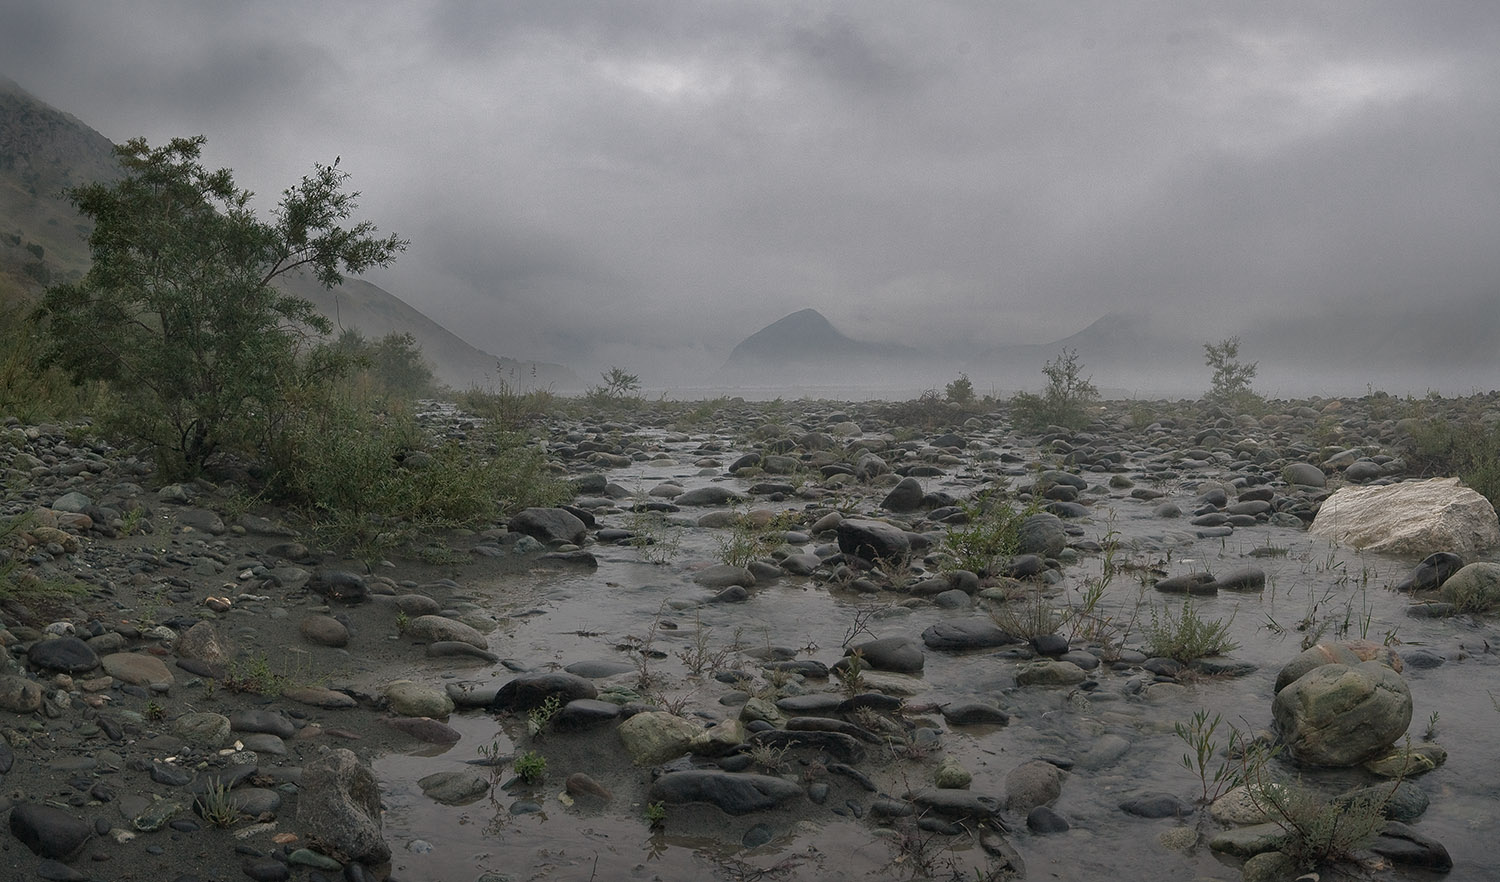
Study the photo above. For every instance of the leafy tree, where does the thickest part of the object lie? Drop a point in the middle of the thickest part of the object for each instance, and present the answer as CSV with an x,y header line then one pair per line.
x,y
1065,400
178,312
961,390
1230,386
392,365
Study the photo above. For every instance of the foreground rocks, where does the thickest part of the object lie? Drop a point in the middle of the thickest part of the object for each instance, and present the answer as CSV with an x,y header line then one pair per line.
x,y
1411,518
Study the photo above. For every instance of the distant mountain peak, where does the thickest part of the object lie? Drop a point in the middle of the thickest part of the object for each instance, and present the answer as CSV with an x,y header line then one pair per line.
x,y
805,338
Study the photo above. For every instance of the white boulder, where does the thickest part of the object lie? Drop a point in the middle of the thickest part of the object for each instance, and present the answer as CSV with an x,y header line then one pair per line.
x,y
1410,518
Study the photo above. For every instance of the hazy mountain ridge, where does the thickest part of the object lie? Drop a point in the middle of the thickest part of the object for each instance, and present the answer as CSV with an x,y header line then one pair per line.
x,y
43,240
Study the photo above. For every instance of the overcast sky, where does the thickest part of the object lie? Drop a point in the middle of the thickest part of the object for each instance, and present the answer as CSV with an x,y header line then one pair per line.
x,y
646,183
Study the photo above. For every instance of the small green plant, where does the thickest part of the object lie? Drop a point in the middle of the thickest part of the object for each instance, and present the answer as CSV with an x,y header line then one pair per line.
x,y
700,657
1030,616
1198,733
155,712
403,621
656,814
1430,734
651,536
541,716
1064,402
255,677
215,805
130,521
991,535
851,676
769,758
1187,636
530,767
1317,831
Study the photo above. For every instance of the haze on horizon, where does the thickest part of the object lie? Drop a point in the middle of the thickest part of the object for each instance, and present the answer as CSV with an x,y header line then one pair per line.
x,y
597,183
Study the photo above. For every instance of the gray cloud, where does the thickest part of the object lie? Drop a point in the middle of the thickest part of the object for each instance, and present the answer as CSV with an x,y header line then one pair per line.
x,y
648,183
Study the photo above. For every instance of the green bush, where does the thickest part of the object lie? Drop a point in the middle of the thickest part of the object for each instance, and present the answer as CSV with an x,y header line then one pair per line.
x,y
992,534
370,479
1065,400
30,390
1187,636
960,391
1468,448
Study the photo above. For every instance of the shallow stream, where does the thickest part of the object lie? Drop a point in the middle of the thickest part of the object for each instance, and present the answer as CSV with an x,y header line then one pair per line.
x,y
553,617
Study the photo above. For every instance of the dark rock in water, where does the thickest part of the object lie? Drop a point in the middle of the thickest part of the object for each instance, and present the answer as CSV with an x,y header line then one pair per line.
x,y
877,701
957,805
48,831
959,634
811,703
844,748
261,720
340,585
1042,820
735,794
898,654
873,540
1200,584
585,713
810,668
1214,519
550,526
974,713
1402,845
1167,510
1156,805
1242,579
1022,566
1422,659
1223,667
69,655
1070,510
1042,534
1049,644
1406,803
532,690
596,668
340,799
828,724
710,495
578,558
1432,572
905,496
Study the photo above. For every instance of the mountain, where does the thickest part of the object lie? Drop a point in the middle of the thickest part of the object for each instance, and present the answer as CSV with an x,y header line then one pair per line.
x,y
802,344
375,312
43,241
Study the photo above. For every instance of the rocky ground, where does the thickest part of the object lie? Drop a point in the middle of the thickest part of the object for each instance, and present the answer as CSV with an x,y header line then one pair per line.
x,y
210,704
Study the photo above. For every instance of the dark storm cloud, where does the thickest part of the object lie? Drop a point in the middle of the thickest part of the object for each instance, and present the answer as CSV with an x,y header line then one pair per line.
x,y
650,182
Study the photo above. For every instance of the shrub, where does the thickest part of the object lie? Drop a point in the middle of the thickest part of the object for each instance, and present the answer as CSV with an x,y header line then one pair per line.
x,y
992,534
1065,400
960,391
1230,386
370,479
1468,448
1187,636
530,767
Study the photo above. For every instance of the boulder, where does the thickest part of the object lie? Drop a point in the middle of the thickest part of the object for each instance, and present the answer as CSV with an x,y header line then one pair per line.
x,y
1350,652
1341,715
532,690
897,654
905,496
1475,588
1410,518
873,540
735,794
340,799
1031,784
1042,534
49,831
550,526
654,737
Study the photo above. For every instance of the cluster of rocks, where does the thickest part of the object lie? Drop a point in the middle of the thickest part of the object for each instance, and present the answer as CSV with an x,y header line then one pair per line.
x,y
97,717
